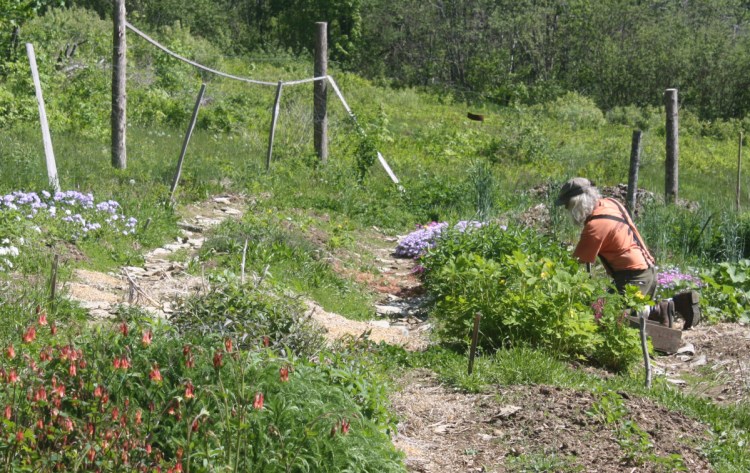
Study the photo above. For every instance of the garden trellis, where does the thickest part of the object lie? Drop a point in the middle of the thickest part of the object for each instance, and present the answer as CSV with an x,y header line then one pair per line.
x,y
279,87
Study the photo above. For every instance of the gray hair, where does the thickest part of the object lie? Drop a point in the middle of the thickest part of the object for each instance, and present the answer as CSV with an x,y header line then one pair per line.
x,y
581,206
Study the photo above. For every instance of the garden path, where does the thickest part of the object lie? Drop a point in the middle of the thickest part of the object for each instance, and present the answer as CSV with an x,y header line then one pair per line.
x,y
163,277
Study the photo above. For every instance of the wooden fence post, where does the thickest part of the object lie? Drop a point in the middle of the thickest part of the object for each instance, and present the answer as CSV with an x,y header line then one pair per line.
x,y
671,174
274,119
635,162
739,170
189,133
119,98
474,340
320,115
49,153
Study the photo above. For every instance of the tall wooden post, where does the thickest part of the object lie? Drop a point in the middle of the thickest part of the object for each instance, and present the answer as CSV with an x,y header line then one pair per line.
x,y
739,171
49,153
119,100
635,162
320,114
671,172
274,119
185,142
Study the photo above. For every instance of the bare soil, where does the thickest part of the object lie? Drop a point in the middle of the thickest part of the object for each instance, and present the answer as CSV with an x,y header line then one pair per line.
x,y
509,428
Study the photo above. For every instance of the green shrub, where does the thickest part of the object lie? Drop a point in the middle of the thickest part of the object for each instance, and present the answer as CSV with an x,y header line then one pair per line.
x,y
251,315
577,111
528,291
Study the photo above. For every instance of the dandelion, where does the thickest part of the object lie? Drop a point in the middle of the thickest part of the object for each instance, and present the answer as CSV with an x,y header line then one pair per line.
x,y
258,402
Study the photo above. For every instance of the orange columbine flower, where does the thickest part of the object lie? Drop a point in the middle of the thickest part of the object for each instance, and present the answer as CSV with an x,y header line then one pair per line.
x,y
284,374
258,403
155,374
189,390
10,351
40,394
218,357
147,337
29,335
12,376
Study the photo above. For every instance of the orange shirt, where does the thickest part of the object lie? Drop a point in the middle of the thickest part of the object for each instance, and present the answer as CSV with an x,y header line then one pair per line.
x,y
612,240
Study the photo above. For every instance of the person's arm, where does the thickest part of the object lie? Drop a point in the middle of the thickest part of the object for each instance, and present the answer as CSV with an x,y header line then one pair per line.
x,y
588,245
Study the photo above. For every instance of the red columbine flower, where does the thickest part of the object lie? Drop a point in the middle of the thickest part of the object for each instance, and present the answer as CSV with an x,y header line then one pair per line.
x,y
40,394
194,426
53,328
266,341
90,429
138,417
10,351
59,390
98,391
117,363
344,426
72,370
218,359
148,449
12,377
67,424
189,361
91,454
155,374
189,390
228,344
124,329
258,403
19,436
284,374
43,318
29,335
8,412
147,337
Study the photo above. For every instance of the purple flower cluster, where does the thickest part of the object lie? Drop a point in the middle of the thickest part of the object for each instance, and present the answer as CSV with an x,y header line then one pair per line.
x,y
420,240
425,237
72,207
672,280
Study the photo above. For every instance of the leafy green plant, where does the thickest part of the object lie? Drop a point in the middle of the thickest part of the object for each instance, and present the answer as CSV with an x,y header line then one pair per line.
x,y
254,316
528,291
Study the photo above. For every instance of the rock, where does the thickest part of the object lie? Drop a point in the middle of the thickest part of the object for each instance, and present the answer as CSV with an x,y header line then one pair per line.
x,y
688,349
379,323
678,382
700,361
387,310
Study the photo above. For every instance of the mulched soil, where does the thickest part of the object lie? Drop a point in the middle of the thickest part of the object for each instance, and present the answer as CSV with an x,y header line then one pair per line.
x,y
530,428
715,363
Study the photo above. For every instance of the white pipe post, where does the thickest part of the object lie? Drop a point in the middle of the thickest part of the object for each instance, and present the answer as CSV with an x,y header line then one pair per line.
x,y
48,151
